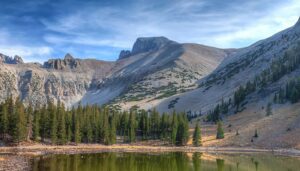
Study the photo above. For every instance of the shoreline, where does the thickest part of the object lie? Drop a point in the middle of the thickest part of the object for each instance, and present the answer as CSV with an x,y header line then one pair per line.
x,y
37,150
19,158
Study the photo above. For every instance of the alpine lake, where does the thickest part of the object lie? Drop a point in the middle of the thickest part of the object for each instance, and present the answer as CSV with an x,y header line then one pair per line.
x,y
174,161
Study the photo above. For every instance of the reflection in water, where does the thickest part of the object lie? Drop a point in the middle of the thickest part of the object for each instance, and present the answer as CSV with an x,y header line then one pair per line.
x,y
220,164
197,161
163,162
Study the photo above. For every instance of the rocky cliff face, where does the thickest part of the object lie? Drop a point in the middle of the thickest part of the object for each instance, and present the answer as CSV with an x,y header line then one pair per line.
x,y
66,80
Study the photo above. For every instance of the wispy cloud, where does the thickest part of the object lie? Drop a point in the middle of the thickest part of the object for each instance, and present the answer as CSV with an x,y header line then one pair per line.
x,y
102,28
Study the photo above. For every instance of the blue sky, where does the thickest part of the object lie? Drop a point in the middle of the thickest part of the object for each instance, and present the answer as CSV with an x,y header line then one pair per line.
x,y
41,29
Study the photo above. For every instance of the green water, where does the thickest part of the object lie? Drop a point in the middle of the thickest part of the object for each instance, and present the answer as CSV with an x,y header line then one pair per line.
x,y
164,162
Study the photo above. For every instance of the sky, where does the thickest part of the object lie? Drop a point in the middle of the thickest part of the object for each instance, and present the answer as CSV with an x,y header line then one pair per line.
x,y
41,29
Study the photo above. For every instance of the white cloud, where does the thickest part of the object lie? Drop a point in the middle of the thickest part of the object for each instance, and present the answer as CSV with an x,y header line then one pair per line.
x,y
179,21
26,52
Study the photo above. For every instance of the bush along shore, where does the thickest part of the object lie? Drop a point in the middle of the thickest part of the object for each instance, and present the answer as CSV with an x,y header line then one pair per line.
x,y
55,125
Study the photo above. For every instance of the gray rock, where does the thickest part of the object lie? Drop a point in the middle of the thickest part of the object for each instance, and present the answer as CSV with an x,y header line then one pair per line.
x,y
124,54
146,44
10,60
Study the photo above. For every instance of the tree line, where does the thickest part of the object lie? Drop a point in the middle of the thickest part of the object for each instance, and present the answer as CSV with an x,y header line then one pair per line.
x,y
278,68
54,124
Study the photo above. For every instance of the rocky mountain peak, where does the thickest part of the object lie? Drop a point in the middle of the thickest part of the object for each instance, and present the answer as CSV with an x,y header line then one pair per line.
x,y
69,62
145,44
9,60
69,57
124,54
18,60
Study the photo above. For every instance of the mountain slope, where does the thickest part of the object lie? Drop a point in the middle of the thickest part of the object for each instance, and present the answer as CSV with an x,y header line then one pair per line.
x,y
248,82
155,68
236,70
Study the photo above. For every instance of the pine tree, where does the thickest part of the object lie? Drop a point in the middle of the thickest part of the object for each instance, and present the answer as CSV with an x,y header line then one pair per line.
x,y
155,124
61,127
174,128
275,99
269,109
89,130
255,134
53,123
12,119
44,123
131,127
20,129
144,124
36,125
105,133
125,125
76,124
182,136
220,131
112,129
69,126
164,126
197,136
29,115
3,120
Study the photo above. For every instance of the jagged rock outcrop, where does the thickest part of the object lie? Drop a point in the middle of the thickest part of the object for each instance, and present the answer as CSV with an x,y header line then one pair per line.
x,y
124,54
69,62
9,60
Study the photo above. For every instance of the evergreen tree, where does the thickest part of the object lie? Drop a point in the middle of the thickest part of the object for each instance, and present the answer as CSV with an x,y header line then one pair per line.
x,y
20,128
220,131
12,119
3,120
131,127
144,124
269,109
36,125
69,126
255,134
43,123
183,130
76,124
197,136
174,128
53,122
61,127
164,126
112,130
155,124
105,133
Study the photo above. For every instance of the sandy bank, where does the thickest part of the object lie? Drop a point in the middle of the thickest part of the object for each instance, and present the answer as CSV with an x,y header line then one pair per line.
x,y
96,148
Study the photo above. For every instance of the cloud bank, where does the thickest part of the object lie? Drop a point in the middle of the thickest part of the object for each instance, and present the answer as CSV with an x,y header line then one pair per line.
x,y
42,29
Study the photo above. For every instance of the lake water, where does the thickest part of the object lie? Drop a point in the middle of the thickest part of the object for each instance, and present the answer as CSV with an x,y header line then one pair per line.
x,y
165,162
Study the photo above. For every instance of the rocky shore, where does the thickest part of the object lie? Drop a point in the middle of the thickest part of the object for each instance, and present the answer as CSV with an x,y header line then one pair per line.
x,y
10,162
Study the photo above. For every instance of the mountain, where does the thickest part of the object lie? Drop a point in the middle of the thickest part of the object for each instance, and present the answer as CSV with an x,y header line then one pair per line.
x,y
65,79
250,83
155,68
